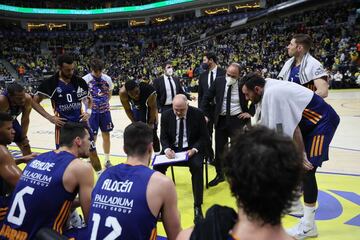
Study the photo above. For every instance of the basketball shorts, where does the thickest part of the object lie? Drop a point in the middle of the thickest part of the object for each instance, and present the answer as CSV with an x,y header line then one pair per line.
x,y
318,140
102,121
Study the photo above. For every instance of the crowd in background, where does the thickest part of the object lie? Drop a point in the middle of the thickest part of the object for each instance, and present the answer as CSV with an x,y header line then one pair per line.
x,y
4,74
138,53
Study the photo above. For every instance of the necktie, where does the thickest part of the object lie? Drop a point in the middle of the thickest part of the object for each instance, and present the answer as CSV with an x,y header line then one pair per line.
x,y
172,89
228,102
211,82
181,134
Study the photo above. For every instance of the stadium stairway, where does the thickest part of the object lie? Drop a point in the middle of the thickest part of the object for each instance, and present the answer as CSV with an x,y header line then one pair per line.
x,y
10,68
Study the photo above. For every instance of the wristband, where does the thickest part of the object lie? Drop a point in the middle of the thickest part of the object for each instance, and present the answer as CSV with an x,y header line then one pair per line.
x,y
89,111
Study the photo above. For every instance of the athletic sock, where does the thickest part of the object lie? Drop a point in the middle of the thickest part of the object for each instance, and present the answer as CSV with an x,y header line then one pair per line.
x,y
107,157
309,214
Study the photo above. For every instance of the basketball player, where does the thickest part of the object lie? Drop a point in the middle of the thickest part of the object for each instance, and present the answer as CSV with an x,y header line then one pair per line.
x,y
304,69
66,91
15,102
139,102
44,194
9,171
100,86
278,163
305,116
128,198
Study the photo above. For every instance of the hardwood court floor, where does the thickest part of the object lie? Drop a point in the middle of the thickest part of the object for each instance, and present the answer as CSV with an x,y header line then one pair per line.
x,y
339,179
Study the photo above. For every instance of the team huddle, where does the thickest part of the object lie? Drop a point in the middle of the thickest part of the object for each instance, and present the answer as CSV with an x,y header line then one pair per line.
x,y
294,128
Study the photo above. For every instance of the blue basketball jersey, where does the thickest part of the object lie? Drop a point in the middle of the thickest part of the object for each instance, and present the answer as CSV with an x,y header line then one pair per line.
x,y
66,102
294,74
294,77
119,206
39,199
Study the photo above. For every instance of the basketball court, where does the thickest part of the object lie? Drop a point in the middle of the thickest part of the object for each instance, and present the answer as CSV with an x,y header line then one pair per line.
x,y
338,215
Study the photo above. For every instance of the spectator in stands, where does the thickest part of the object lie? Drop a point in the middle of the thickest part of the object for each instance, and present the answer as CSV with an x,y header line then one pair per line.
x,y
338,77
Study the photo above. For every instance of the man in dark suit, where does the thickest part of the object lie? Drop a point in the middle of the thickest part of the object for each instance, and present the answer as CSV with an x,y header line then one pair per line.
x,y
167,87
184,129
205,80
231,113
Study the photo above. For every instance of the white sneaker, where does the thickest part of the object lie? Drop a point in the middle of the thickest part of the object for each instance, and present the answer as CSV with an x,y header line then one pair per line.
x,y
303,230
297,209
74,221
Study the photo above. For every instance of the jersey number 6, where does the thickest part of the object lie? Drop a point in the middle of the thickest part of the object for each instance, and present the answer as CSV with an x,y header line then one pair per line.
x,y
19,201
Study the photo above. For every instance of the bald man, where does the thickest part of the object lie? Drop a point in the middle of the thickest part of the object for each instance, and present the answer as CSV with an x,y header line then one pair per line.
x,y
232,113
183,128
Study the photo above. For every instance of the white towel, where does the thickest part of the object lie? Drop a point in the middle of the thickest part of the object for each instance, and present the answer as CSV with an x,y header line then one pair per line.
x,y
310,69
282,105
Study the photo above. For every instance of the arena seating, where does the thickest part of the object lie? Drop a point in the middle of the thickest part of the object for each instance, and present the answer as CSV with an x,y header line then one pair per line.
x,y
137,53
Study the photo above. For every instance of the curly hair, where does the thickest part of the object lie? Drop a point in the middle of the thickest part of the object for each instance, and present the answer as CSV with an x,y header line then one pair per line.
x,y
263,169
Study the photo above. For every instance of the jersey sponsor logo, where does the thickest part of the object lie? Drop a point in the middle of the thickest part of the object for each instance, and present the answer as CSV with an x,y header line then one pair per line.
x,y
44,166
70,106
117,186
12,234
113,203
36,178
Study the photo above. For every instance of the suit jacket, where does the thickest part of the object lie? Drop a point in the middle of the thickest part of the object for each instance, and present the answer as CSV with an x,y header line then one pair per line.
x,y
197,134
159,85
203,83
217,90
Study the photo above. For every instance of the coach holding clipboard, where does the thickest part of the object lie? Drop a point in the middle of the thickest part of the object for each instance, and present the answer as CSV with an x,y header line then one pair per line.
x,y
183,128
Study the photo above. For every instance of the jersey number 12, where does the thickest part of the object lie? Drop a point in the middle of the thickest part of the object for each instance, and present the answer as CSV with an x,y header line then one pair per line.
x,y
109,222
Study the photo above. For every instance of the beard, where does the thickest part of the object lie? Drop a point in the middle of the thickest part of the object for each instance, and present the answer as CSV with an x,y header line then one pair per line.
x,y
257,99
85,154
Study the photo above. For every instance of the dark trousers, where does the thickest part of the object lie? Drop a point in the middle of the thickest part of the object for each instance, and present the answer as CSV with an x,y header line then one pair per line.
x,y
156,141
224,130
210,128
195,163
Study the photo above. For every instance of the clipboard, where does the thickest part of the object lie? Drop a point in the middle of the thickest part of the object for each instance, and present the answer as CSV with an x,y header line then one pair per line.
x,y
162,159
